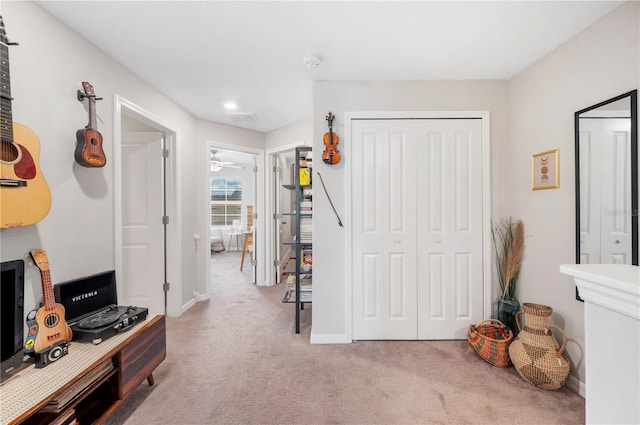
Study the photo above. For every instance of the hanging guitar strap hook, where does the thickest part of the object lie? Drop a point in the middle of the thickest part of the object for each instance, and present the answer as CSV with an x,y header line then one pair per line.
x,y
329,198
81,95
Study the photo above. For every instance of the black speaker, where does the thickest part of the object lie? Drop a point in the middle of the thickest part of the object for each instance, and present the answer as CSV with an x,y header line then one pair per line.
x,y
51,354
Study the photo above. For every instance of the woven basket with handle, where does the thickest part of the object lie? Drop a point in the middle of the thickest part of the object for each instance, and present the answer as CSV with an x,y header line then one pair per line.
x,y
491,339
535,353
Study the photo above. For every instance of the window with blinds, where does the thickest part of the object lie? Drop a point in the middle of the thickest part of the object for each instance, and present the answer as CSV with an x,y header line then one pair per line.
x,y
226,200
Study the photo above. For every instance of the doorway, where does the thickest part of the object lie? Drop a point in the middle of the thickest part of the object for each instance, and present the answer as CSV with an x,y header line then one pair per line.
x,y
280,207
145,168
233,212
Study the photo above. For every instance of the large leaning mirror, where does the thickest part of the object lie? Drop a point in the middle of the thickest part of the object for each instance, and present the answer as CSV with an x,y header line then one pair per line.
x,y
606,155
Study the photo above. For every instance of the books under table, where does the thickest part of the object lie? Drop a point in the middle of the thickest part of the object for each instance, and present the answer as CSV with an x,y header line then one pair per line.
x,y
306,289
63,400
67,418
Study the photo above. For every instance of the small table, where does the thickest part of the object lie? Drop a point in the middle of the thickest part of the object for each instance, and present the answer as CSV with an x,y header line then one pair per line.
x,y
237,235
246,243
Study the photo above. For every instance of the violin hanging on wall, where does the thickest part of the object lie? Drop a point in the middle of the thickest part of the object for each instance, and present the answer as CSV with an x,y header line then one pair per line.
x,y
330,155
89,151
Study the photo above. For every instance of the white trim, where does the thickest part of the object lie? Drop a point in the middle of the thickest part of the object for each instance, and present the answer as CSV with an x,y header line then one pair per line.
x,y
486,210
259,223
269,153
486,194
577,386
348,287
329,338
174,195
189,304
612,286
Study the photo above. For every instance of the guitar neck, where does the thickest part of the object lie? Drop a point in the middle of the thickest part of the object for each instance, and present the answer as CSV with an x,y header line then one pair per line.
x,y
92,115
47,290
6,116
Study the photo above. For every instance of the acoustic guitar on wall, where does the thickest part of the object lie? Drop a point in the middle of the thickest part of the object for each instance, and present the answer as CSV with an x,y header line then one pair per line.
x,y
89,151
25,197
50,325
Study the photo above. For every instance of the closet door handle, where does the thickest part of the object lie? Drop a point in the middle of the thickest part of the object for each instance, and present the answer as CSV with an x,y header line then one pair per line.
x,y
397,240
437,240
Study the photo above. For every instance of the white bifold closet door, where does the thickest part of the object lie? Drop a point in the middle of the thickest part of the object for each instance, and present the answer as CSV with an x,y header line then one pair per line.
x,y
417,228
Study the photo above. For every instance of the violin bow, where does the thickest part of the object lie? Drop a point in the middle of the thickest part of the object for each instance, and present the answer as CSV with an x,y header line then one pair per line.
x,y
329,198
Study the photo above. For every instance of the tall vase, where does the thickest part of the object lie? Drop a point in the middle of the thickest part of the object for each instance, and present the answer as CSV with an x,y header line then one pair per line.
x,y
505,310
535,353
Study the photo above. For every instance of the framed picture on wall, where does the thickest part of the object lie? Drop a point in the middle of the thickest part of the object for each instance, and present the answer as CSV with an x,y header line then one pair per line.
x,y
545,168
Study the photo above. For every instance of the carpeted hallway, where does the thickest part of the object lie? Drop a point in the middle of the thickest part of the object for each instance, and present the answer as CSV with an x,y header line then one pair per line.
x,y
237,360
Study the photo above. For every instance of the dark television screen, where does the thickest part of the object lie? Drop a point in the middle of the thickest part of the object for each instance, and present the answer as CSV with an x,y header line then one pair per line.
x,y
11,313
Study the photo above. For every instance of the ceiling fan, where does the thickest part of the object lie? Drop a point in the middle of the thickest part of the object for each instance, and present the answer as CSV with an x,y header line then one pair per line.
x,y
217,164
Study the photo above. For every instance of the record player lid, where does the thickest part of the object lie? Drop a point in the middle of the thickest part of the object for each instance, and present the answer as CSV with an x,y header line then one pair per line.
x,y
87,294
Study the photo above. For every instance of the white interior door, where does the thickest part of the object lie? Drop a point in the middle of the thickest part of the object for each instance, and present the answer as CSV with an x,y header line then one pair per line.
x,y
142,279
417,213
384,237
604,187
616,228
449,228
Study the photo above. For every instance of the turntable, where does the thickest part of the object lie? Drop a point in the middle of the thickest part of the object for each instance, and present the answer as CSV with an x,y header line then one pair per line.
x,y
103,324
91,308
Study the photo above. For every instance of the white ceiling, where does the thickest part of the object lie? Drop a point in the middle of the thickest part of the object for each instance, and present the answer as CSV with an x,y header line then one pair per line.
x,y
202,54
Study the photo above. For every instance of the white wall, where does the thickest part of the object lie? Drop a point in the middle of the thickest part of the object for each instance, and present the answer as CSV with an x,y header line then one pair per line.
x,y
78,233
46,71
330,319
300,133
595,65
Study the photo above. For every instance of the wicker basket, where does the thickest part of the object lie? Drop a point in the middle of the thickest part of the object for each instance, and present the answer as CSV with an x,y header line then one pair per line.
x,y
491,339
535,353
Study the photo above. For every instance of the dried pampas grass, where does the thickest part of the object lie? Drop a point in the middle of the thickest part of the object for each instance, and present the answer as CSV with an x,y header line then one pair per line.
x,y
508,243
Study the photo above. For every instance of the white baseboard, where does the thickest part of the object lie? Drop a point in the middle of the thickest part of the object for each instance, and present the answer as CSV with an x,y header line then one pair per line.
x,y
188,305
202,297
196,299
576,386
329,338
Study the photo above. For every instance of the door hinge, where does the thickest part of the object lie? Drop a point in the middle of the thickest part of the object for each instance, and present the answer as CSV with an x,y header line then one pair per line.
x,y
165,153
166,287
255,168
165,219
255,216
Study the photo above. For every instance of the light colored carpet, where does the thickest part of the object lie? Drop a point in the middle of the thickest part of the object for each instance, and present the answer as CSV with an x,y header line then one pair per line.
x,y
237,360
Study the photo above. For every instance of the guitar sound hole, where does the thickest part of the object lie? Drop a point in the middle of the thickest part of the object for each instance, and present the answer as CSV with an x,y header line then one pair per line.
x,y
94,141
51,320
9,152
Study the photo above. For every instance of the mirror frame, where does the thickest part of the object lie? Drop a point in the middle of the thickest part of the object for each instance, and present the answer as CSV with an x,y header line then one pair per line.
x,y
633,98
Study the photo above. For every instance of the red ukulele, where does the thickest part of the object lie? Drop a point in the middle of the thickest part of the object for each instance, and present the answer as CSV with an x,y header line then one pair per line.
x,y
89,151
51,325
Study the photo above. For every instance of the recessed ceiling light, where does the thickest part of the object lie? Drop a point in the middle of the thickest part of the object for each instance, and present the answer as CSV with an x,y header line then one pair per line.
x,y
230,105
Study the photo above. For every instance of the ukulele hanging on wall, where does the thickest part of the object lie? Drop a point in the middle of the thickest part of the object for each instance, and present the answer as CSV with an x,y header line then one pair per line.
x,y
89,151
